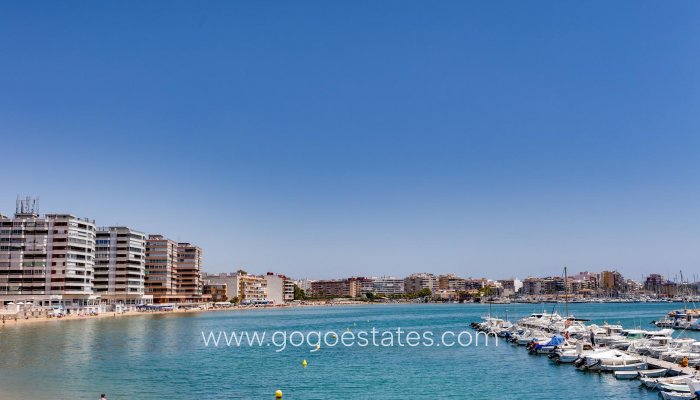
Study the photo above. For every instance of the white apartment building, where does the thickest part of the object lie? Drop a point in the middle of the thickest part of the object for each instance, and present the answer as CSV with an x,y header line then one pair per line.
x,y
387,286
249,289
120,263
48,260
280,289
304,284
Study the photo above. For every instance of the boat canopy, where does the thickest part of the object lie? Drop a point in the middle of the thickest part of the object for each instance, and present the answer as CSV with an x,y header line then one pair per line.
x,y
556,340
611,354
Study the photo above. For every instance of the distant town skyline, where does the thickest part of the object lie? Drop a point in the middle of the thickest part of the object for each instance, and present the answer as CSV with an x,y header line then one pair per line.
x,y
374,139
671,275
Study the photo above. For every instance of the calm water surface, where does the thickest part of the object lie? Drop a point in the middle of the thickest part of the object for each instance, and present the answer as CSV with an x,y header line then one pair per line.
x,y
164,357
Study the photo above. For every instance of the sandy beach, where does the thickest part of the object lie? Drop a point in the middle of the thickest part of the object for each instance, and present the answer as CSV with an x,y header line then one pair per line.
x,y
10,320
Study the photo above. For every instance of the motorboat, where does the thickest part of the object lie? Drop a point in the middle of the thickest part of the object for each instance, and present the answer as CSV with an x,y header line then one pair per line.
x,y
674,385
569,354
677,395
530,336
644,346
656,383
612,360
602,335
686,384
691,353
653,373
625,338
673,345
547,346
626,374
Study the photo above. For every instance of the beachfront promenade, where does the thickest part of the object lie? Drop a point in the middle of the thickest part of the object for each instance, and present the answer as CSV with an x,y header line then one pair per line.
x,y
31,315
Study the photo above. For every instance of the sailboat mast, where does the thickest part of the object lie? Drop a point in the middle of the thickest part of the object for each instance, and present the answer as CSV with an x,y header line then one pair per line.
x,y
685,307
566,292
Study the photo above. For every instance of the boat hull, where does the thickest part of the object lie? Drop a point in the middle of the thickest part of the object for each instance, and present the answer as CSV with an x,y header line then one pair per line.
x,y
626,374
676,395
653,373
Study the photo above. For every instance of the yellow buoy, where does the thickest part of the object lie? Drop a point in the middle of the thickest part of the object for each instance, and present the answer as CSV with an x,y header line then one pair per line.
x,y
278,394
303,363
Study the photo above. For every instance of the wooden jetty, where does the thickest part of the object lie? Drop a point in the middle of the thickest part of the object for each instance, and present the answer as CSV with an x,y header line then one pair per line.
x,y
673,368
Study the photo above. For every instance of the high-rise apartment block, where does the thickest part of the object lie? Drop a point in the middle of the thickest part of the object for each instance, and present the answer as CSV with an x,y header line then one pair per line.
x,y
63,261
388,286
161,269
173,271
120,263
47,260
189,270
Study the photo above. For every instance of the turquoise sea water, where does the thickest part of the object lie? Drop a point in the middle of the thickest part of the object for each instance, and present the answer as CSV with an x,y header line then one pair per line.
x,y
164,357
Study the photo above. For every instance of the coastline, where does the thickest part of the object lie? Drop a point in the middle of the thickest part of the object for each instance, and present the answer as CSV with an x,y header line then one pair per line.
x,y
11,321
43,320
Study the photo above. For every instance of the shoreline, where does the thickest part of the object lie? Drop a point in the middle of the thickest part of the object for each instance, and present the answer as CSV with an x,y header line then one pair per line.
x,y
11,321
42,320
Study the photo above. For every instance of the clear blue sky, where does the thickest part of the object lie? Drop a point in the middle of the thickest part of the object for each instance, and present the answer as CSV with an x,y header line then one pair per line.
x,y
327,139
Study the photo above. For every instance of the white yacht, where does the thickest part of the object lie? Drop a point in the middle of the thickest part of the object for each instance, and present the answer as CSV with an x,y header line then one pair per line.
x,y
612,360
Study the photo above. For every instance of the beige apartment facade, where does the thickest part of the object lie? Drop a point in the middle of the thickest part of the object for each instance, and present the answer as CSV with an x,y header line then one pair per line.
x,y
174,271
161,269
189,273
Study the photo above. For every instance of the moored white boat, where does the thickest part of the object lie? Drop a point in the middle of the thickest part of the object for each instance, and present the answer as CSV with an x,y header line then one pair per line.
x,y
677,395
656,383
569,354
547,346
626,374
653,373
675,385
612,360
644,346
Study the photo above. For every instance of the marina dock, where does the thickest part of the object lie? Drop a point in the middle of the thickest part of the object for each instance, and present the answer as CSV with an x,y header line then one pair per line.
x,y
673,368
608,348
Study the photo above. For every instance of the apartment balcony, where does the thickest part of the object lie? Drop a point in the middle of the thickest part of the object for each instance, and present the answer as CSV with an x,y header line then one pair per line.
x,y
76,291
120,286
